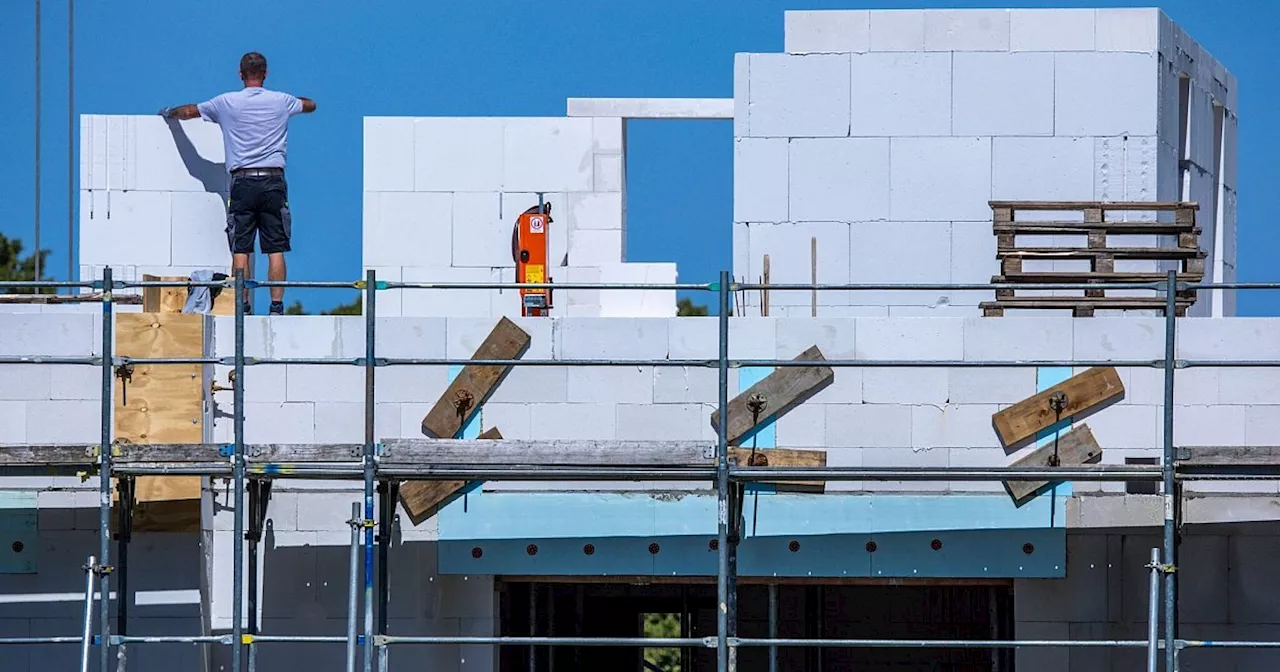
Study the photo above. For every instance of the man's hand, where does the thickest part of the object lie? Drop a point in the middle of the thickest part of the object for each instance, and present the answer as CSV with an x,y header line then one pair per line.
x,y
308,105
180,112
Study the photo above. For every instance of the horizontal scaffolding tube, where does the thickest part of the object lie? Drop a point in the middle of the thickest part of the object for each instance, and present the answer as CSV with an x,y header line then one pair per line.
x,y
943,287
939,643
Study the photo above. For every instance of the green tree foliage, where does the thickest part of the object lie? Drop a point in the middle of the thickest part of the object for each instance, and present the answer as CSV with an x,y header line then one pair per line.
x,y
295,308
685,308
352,308
662,626
14,267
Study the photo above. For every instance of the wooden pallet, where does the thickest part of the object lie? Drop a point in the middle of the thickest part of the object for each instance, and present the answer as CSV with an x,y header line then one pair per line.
x,y
1095,228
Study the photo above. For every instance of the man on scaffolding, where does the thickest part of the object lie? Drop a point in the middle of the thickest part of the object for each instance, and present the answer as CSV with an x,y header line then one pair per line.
x,y
255,124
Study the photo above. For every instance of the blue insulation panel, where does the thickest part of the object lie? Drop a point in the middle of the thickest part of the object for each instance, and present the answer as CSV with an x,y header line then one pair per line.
x,y
19,543
1047,377
1027,553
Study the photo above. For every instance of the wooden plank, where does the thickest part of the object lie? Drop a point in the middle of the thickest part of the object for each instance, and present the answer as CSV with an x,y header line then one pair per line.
x,y
1074,448
785,388
54,299
783,457
1044,228
506,341
566,453
1065,302
1023,420
422,499
1260,456
1090,253
162,404
172,299
1103,205
1085,276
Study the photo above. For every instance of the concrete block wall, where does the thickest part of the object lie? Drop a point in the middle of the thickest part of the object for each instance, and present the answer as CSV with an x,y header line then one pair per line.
x,y
441,195
884,134
153,197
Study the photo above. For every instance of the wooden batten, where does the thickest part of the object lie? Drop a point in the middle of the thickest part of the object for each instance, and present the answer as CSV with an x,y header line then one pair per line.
x,y
1085,391
163,403
172,299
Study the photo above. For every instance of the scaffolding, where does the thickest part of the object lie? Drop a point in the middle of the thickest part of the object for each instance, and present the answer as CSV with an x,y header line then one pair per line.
x,y
369,644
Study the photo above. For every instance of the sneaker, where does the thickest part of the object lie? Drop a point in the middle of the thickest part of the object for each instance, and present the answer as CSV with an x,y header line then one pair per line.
x,y
248,310
277,308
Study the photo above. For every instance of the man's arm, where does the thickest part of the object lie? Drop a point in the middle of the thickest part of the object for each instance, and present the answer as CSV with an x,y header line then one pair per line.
x,y
308,105
183,112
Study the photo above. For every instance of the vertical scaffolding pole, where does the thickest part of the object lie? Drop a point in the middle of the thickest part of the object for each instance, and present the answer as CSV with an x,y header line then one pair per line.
x,y
71,139
124,518
773,626
353,598
370,288
1153,614
37,164
237,473
722,487
1170,497
386,516
87,638
104,469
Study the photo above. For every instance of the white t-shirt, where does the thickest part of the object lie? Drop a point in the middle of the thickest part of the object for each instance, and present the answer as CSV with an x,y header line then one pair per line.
x,y
255,125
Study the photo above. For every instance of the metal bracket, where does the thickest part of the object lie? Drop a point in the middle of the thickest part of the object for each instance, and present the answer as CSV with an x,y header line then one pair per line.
x,y
231,384
98,570
463,399
226,450
125,373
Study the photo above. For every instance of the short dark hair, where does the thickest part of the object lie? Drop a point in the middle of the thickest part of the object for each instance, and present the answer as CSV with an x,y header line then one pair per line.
x,y
253,64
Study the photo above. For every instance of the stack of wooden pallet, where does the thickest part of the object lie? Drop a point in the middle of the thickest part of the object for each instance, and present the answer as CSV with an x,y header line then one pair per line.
x,y
1173,226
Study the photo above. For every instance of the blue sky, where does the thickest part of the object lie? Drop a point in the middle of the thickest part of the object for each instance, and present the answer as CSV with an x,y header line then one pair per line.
x,y
500,57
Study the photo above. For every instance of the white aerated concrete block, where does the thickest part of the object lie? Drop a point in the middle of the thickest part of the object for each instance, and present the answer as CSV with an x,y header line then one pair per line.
x,y
790,250
839,31
973,260
344,422
1103,94
168,155
199,230
323,382
1252,386
760,179
126,227
990,385
1262,425
904,386
1021,338
741,97
534,384
911,338
408,229
276,423
547,154
13,421
1042,169
594,211
611,338
881,247
465,335
897,94
684,385
448,301
625,385
609,173
608,134
956,426
1125,426
940,179
638,303
31,381
867,425
1135,30
1003,94
75,382
1242,338
480,236
389,153
839,179
1210,426
896,30
575,421
664,422
1119,338
1052,29
966,30
594,247
458,154
68,335
799,96
802,426
63,421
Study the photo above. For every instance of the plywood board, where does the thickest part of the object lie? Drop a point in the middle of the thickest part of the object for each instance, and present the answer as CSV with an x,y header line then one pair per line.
x,y
785,388
1023,420
506,341
421,499
1074,448
162,403
172,299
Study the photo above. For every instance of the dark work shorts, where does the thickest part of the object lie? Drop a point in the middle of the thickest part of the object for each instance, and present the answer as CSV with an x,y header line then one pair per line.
x,y
259,204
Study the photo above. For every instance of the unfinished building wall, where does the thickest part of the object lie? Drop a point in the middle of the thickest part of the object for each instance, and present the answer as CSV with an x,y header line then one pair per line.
x,y
880,136
442,194
153,197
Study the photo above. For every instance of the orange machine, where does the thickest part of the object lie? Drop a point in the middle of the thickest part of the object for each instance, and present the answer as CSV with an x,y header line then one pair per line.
x,y
529,249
